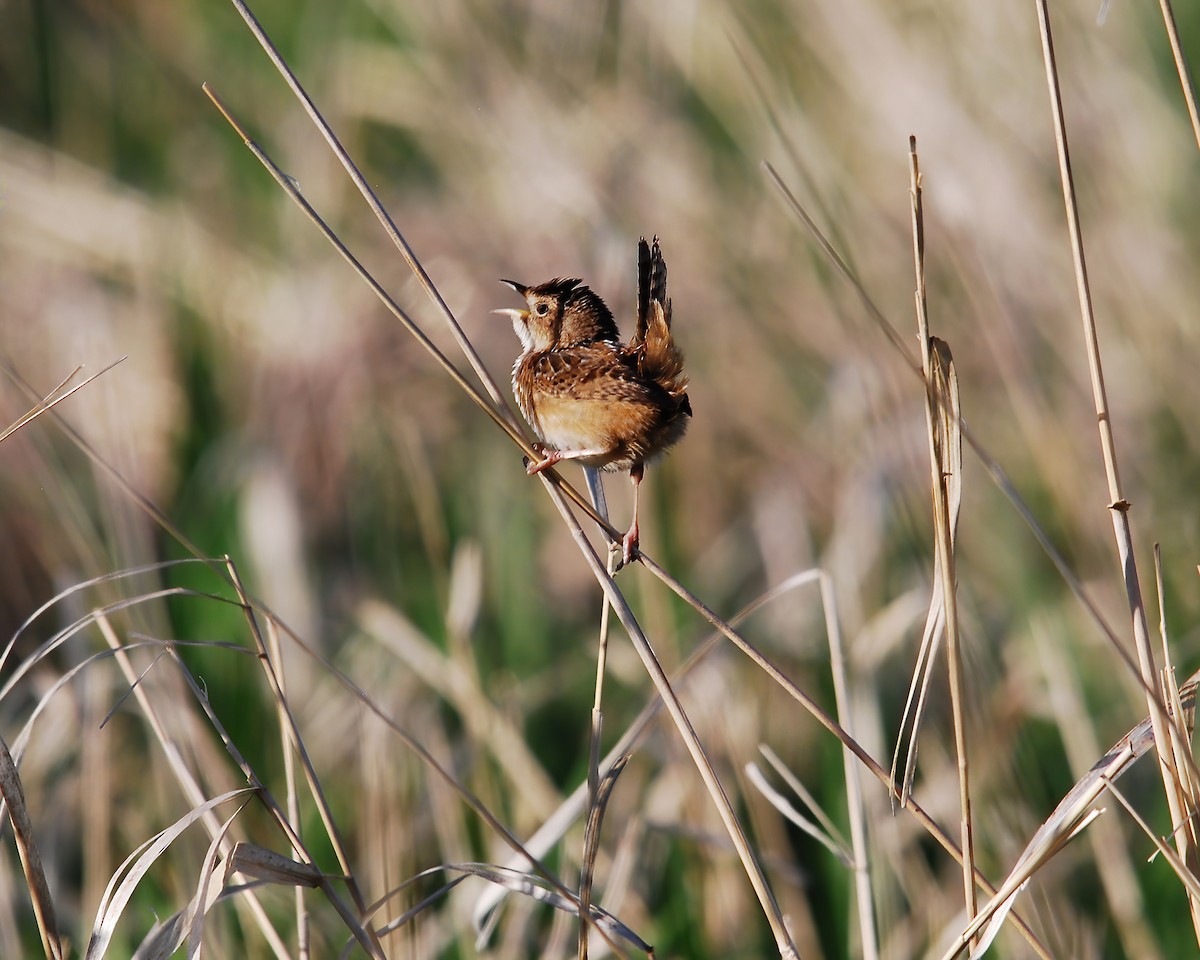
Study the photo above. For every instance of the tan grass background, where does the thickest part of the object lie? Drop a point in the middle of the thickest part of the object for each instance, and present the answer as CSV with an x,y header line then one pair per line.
x,y
276,413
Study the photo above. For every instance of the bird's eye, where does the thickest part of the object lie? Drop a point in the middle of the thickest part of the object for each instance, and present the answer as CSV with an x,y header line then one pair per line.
x,y
542,309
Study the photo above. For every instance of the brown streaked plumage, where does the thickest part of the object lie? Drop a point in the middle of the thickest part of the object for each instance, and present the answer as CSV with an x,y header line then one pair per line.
x,y
588,396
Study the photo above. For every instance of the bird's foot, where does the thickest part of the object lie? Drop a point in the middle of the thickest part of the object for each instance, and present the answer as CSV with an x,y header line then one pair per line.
x,y
629,546
548,459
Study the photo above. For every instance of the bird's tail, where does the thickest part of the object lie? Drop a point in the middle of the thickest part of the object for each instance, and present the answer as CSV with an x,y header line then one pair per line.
x,y
661,360
652,285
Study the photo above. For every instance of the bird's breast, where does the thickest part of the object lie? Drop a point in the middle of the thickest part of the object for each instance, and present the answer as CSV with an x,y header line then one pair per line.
x,y
522,386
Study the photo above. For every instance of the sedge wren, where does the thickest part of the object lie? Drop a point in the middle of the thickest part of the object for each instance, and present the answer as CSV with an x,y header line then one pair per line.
x,y
591,398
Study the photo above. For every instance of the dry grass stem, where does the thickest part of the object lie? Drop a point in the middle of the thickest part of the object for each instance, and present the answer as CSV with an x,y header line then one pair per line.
x,y
1113,859
995,471
13,796
575,805
820,833
754,871
428,777
377,208
927,822
192,790
1181,66
505,423
1184,785
1190,881
1118,506
292,730
292,796
942,418
856,807
597,804
54,398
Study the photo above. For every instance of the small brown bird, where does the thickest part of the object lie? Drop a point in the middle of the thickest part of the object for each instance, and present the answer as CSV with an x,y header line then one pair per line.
x,y
588,396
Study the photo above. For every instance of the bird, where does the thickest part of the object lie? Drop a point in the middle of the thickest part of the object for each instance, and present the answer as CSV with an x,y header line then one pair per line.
x,y
591,398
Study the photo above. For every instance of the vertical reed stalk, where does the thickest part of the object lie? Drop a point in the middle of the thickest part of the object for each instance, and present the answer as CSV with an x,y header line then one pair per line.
x,y
945,461
1118,506
1181,67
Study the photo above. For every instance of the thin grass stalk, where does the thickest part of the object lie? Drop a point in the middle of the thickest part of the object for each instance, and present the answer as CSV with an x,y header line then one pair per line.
x,y
160,518
995,471
814,823
1186,793
575,805
289,779
1118,506
555,481
98,774
597,712
40,899
595,485
376,206
1189,880
591,845
292,731
1111,854
758,880
912,716
990,464
431,762
53,399
1181,67
514,433
594,745
940,409
932,827
193,795
855,805
362,933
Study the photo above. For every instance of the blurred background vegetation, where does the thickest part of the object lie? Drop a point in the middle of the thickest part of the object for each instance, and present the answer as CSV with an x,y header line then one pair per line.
x,y
276,413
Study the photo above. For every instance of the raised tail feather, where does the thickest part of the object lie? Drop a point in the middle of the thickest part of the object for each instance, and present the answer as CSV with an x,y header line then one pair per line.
x,y
643,293
652,286
658,358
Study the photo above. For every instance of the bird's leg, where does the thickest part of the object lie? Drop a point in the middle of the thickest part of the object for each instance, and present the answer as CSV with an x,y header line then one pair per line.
x,y
629,543
551,457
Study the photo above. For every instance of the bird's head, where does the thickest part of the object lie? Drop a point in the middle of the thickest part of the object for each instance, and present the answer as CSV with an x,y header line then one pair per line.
x,y
559,313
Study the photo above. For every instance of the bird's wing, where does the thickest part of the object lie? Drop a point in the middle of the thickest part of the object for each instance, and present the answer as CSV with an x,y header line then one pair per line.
x,y
587,373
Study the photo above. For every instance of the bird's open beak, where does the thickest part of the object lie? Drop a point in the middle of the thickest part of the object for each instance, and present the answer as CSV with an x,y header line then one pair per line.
x,y
509,311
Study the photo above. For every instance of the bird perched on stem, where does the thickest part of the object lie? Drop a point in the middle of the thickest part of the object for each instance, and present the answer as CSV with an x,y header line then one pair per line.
x,y
591,398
